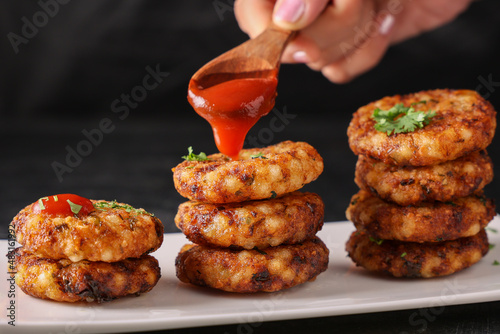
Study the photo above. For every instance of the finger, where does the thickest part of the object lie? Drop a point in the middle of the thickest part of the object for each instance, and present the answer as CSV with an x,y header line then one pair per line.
x,y
297,14
318,43
362,59
253,16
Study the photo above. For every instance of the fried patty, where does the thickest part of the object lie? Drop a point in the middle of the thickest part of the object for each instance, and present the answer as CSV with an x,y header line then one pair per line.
x,y
63,280
464,123
108,234
408,259
268,270
289,219
412,185
426,222
259,173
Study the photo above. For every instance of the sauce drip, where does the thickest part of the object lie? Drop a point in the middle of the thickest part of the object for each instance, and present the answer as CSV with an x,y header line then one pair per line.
x,y
63,205
233,107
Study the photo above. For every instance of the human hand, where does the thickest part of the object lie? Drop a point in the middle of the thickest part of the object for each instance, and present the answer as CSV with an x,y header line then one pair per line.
x,y
345,38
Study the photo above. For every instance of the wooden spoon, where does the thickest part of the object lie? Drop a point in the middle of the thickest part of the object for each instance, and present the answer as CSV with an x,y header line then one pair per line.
x,y
256,58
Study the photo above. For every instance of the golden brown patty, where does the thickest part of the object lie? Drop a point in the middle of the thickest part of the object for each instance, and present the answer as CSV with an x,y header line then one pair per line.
x,y
67,281
283,168
412,185
272,269
426,222
464,123
289,219
109,235
409,259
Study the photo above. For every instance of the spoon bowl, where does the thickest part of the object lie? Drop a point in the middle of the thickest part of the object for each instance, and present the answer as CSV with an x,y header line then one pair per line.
x,y
256,58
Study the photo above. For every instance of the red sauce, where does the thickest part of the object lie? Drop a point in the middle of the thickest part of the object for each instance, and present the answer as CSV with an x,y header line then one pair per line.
x,y
233,107
63,205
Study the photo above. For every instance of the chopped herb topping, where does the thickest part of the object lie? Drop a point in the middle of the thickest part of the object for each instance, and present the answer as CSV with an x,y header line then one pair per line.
x,y
258,155
195,157
273,194
115,205
403,255
75,208
377,241
40,202
401,119
491,246
496,263
56,199
491,229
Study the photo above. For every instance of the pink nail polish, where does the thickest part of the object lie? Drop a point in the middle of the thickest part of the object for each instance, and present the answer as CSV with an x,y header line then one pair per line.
x,y
300,57
290,11
386,24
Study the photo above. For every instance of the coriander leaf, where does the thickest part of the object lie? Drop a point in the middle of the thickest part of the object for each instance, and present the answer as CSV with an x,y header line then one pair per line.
x,y
258,155
115,205
496,263
401,119
491,229
40,203
377,241
404,254
75,208
194,157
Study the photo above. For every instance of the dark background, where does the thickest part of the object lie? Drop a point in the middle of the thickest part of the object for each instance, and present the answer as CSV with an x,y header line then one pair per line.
x,y
65,77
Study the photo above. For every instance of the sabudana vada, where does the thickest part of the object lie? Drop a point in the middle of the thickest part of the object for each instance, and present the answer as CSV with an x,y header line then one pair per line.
x,y
259,173
289,219
409,259
107,231
464,122
412,185
426,222
67,281
245,271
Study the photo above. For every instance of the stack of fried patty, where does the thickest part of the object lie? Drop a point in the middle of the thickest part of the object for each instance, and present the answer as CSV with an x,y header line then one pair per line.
x,y
252,230
421,211
98,255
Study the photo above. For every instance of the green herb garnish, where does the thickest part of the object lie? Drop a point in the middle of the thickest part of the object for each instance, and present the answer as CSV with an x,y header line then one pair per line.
x,y
377,241
273,194
491,246
75,208
40,203
401,119
403,255
491,229
258,155
496,263
115,205
195,157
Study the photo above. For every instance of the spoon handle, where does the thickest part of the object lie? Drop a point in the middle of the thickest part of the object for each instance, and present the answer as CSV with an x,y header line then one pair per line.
x,y
270,44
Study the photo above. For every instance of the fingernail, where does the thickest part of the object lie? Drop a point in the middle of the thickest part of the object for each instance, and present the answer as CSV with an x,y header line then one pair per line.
x,y
386,24
290,11
300,57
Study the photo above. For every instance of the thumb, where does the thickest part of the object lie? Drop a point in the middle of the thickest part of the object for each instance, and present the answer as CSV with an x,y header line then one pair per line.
x,y
297,14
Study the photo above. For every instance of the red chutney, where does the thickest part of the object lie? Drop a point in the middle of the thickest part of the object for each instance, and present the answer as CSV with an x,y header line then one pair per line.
x,y
63,205
233,107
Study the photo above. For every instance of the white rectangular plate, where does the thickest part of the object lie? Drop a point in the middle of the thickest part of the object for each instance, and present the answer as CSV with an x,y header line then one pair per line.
x,y
342,289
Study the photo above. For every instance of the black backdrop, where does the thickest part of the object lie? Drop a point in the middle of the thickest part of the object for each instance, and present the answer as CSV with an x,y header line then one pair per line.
x,y
68,69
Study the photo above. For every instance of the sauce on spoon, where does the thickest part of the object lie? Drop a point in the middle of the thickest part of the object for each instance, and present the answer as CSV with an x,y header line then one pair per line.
x,y
232,107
